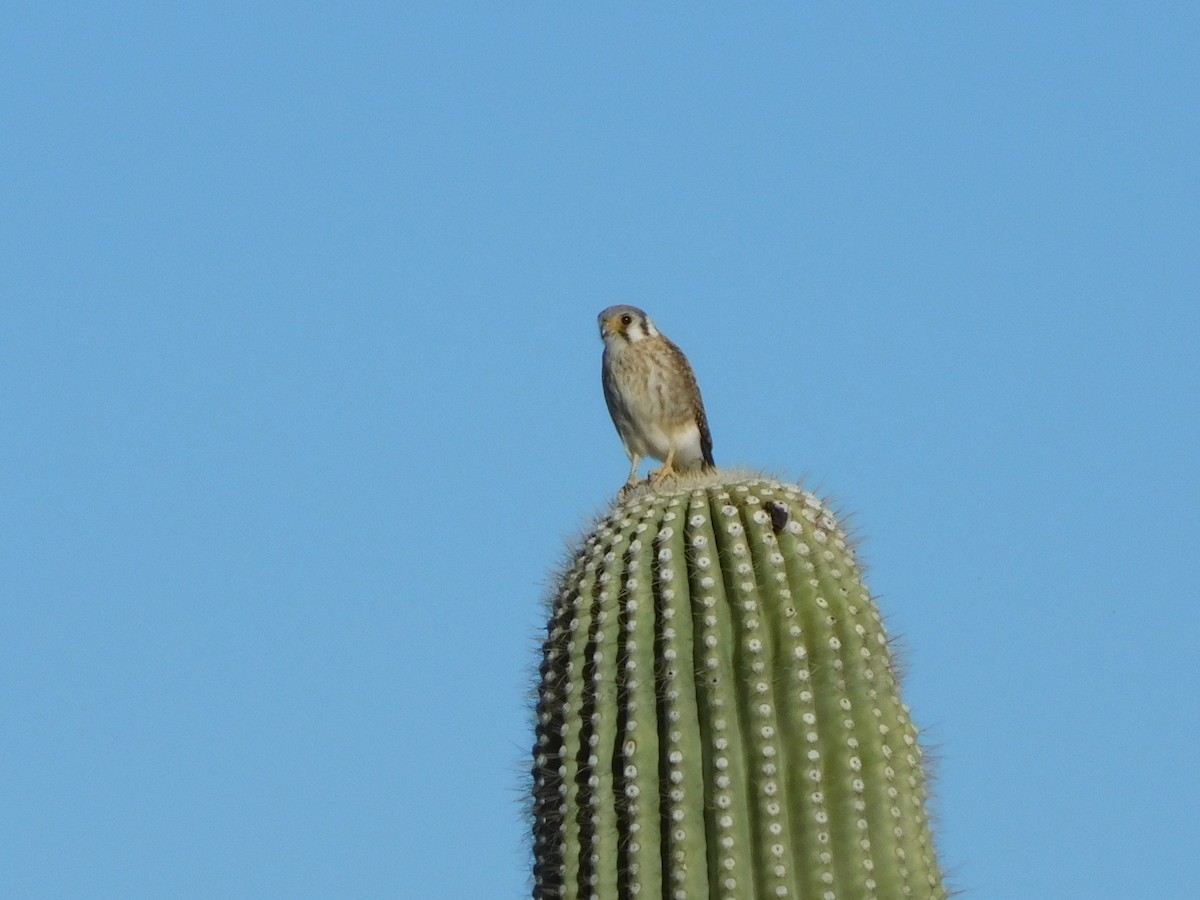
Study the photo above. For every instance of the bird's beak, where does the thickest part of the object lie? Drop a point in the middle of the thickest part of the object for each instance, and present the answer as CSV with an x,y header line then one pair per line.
x,y
611,325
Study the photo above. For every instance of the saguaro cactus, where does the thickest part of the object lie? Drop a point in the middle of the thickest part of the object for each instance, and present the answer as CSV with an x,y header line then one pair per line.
x,y
718,714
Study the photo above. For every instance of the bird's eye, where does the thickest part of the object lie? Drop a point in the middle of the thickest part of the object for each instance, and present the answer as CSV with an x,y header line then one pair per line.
x,y
626,319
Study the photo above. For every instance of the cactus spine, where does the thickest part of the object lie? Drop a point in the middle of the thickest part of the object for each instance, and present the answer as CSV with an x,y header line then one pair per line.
x,y
718,713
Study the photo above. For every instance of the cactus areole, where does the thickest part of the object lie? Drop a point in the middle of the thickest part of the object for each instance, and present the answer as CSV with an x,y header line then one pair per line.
x,y
718,713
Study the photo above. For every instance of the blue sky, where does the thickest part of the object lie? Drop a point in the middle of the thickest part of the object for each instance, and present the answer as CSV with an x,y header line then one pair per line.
x,y
301,402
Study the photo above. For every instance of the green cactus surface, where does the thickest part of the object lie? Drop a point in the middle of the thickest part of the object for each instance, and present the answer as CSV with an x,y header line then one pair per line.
x,y
718,713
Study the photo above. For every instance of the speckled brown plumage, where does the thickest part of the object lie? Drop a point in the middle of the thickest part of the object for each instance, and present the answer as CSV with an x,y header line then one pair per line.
x,y
652,395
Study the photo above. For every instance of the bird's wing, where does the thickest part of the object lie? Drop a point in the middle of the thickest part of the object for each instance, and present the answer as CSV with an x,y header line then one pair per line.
x,y
611,396
706,443
705,434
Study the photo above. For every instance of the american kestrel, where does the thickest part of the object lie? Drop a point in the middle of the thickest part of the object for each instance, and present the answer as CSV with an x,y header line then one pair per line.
x,y
652,395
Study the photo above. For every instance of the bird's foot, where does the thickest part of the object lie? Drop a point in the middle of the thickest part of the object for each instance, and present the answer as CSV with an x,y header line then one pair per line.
x,y
658,476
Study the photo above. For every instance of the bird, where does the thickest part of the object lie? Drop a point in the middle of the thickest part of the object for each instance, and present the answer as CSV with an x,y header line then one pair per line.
x,y
652,396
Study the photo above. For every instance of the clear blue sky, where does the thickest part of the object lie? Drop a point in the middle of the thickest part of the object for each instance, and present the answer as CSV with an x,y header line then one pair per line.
x,y
299,385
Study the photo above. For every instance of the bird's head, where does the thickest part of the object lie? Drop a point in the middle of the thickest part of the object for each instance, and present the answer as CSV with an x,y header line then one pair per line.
x,y
625,324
